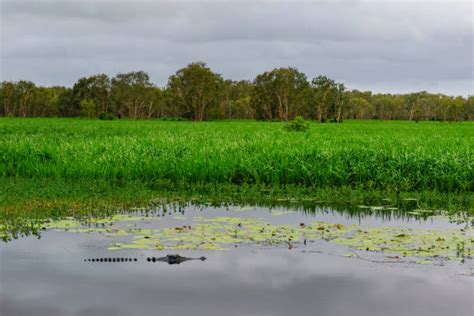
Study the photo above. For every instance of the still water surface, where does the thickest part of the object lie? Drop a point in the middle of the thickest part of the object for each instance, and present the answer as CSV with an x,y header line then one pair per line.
x,y
48,276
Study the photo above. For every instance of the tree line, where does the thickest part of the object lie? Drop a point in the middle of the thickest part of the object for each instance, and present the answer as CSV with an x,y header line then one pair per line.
x,y
197,93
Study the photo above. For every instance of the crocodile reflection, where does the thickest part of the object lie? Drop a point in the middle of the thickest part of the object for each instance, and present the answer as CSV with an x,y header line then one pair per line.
x,y
170,259
110,259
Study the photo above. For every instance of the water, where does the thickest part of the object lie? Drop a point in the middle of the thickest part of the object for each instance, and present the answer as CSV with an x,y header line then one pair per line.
x,y
49,276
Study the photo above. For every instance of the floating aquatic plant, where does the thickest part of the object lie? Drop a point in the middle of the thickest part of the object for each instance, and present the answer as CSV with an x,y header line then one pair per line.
x,y
220,233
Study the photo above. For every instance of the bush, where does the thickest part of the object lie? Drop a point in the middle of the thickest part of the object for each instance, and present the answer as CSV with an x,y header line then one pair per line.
x,y
298,124
173,118
106,116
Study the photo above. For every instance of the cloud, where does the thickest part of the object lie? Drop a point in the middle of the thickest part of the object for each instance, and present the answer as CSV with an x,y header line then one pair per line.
x,y
389,46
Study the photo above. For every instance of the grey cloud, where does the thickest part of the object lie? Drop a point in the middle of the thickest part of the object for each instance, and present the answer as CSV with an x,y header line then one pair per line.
x,y
377,45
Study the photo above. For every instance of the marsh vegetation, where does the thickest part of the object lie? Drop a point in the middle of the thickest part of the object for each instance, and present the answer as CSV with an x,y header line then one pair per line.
x,y
398,156
53,168
392,194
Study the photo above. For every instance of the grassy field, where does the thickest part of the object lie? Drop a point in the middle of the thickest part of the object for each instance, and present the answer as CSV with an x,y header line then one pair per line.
x,y
55,167
400,156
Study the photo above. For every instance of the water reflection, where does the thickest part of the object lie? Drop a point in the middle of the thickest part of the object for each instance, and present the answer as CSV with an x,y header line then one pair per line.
x,y
400,212
49,277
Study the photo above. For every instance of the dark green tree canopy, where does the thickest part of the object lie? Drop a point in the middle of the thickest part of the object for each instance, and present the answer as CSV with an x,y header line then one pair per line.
x,y
95,88
196,90
133,95
329,98
197,93
279,94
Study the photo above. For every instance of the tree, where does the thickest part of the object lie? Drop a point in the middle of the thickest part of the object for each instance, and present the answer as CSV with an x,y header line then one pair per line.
x,y
279,94
133,95
468,113
25,92
44,102
197,93
340,102
360,108
388,106
96,88
66,102
8,98
195,90
456,108
411,101
237,100
330,99
88,108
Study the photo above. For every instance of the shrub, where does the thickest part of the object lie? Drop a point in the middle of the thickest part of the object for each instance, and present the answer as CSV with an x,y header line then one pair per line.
x,y
105,116
298,124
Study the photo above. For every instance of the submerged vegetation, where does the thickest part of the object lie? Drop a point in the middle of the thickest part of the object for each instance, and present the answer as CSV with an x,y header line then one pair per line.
x,y
27,203
225,232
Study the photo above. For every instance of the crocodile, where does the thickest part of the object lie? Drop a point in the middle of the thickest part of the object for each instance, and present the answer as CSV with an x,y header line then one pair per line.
x,y
173,259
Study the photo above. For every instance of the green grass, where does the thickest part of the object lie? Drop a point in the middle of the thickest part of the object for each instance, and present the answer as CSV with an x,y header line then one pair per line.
x,y
57,167
373,155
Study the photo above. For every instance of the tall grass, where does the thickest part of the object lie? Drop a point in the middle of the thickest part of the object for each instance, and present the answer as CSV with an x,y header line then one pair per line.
x,y
402,156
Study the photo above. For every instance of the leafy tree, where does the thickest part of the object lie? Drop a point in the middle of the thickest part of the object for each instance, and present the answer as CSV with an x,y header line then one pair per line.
x,y
25,92
339,103
279,94
360,108
456,109
133,95
96,88
66,102
330,99
88,108
387,106
196,91
44,102
237,100
468,113
8,98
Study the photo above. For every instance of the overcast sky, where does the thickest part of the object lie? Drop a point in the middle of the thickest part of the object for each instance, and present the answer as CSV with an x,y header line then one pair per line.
x,y
395,46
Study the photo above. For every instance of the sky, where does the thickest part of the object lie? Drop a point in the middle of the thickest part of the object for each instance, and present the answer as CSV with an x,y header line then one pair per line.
x,y
384,46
